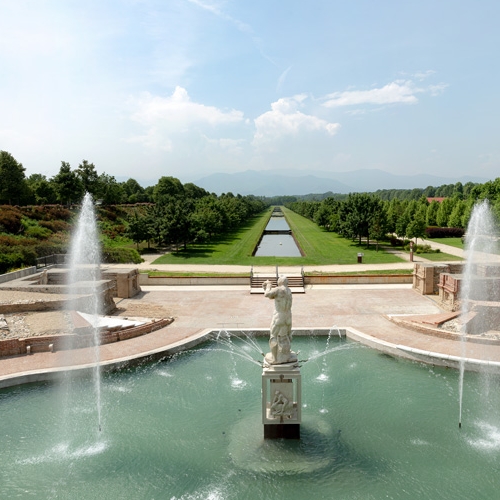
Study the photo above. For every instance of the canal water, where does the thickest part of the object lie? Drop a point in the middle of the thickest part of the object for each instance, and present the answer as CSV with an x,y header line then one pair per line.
x,y
277,240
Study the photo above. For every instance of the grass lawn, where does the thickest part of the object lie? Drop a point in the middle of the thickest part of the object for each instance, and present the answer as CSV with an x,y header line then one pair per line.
x,y
453,242
375,272
320,247
438,256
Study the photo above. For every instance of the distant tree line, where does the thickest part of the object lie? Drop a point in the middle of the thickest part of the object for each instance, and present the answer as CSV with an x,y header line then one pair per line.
x,y
66,187
372,216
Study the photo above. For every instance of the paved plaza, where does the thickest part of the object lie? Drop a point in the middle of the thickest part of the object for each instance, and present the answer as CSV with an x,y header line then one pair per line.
x,y
195,310
366,309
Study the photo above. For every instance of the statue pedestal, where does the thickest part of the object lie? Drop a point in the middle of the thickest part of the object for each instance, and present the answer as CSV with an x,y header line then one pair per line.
x,y
281,401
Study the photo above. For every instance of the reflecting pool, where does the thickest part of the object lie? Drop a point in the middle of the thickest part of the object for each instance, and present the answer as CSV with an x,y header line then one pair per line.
x,y
189,427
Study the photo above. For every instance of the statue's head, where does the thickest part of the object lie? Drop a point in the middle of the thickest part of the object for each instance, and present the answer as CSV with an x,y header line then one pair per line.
x,y
283,280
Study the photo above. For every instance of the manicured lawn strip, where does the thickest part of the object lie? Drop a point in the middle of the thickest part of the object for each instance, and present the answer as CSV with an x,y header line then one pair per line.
x,y
362,273
180,274
323,247
453,242
437,256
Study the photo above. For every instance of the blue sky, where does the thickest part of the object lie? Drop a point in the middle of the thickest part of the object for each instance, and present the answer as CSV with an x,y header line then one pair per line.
x,y
145,88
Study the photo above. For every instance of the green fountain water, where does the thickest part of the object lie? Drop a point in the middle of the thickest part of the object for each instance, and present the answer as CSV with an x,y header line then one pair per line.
x,y
190,428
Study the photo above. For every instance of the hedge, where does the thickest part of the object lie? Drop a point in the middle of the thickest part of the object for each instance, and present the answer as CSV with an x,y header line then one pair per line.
x,y
444,232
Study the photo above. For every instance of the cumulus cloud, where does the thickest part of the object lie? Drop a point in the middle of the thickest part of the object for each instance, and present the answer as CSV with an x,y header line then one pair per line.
x,y
285,119
165,117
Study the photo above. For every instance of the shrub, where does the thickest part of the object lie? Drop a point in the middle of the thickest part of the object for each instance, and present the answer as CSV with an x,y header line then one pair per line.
x,y
10,261
422,249
10,219
40,233
444,232
396,242
59,212
121,255
47,248
8,240
104,213
15,257
55,225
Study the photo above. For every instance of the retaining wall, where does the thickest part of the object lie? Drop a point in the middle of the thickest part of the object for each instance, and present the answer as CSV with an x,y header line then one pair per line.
x,y
48,343
378,279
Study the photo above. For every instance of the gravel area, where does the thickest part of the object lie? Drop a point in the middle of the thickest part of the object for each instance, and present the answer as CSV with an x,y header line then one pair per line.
x,y
36,324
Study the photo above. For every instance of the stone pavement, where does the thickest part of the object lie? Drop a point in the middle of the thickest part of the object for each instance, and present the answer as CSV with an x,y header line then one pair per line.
x,y
196,310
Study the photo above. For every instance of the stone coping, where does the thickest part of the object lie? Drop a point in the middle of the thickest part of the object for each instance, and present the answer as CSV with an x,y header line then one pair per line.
x,y
396,350
421,327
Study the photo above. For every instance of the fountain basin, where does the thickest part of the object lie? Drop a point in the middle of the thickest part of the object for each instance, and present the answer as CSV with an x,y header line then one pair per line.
x,y
189,427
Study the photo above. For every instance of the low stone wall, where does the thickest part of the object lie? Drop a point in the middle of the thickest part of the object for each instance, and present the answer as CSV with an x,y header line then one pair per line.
x,y
49,343
380,279
15,275
146,280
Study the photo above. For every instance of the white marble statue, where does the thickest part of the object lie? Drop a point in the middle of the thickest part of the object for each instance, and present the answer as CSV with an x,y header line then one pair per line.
x,y
280,339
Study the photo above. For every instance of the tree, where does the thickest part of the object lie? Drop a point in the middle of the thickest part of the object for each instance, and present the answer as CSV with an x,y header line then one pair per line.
x,y
325,215
357,213
12,179
431,213
456,215
89,178
42,190
416,228
139,229
167,187
133,191
194,192
67,185
207,217
110,191
444,211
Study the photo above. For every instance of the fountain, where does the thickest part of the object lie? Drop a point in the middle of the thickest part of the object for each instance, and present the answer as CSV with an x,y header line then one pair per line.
x,y
179,428
480,293
83,279
185,427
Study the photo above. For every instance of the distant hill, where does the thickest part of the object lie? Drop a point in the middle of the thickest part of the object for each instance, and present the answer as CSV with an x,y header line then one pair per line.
x,y
299,182
268,184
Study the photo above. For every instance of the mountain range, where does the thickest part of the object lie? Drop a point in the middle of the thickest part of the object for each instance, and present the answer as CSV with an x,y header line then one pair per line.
x,y
300,182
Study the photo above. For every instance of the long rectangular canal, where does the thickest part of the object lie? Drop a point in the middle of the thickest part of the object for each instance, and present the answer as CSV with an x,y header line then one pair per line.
x,y
277,240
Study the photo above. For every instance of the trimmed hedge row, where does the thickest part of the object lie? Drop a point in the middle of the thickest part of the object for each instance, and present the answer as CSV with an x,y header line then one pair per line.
x,y
444,232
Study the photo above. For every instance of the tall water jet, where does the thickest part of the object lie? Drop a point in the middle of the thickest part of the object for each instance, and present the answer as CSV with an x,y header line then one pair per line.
x,y
83,280
478,290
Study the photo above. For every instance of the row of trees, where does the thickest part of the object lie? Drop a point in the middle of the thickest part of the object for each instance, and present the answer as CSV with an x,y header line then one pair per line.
x,y
362,215
184,213
66,187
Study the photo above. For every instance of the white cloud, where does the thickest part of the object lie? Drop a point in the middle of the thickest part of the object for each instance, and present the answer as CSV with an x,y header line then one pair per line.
x,y
422,75
166,117
395,92
285,120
